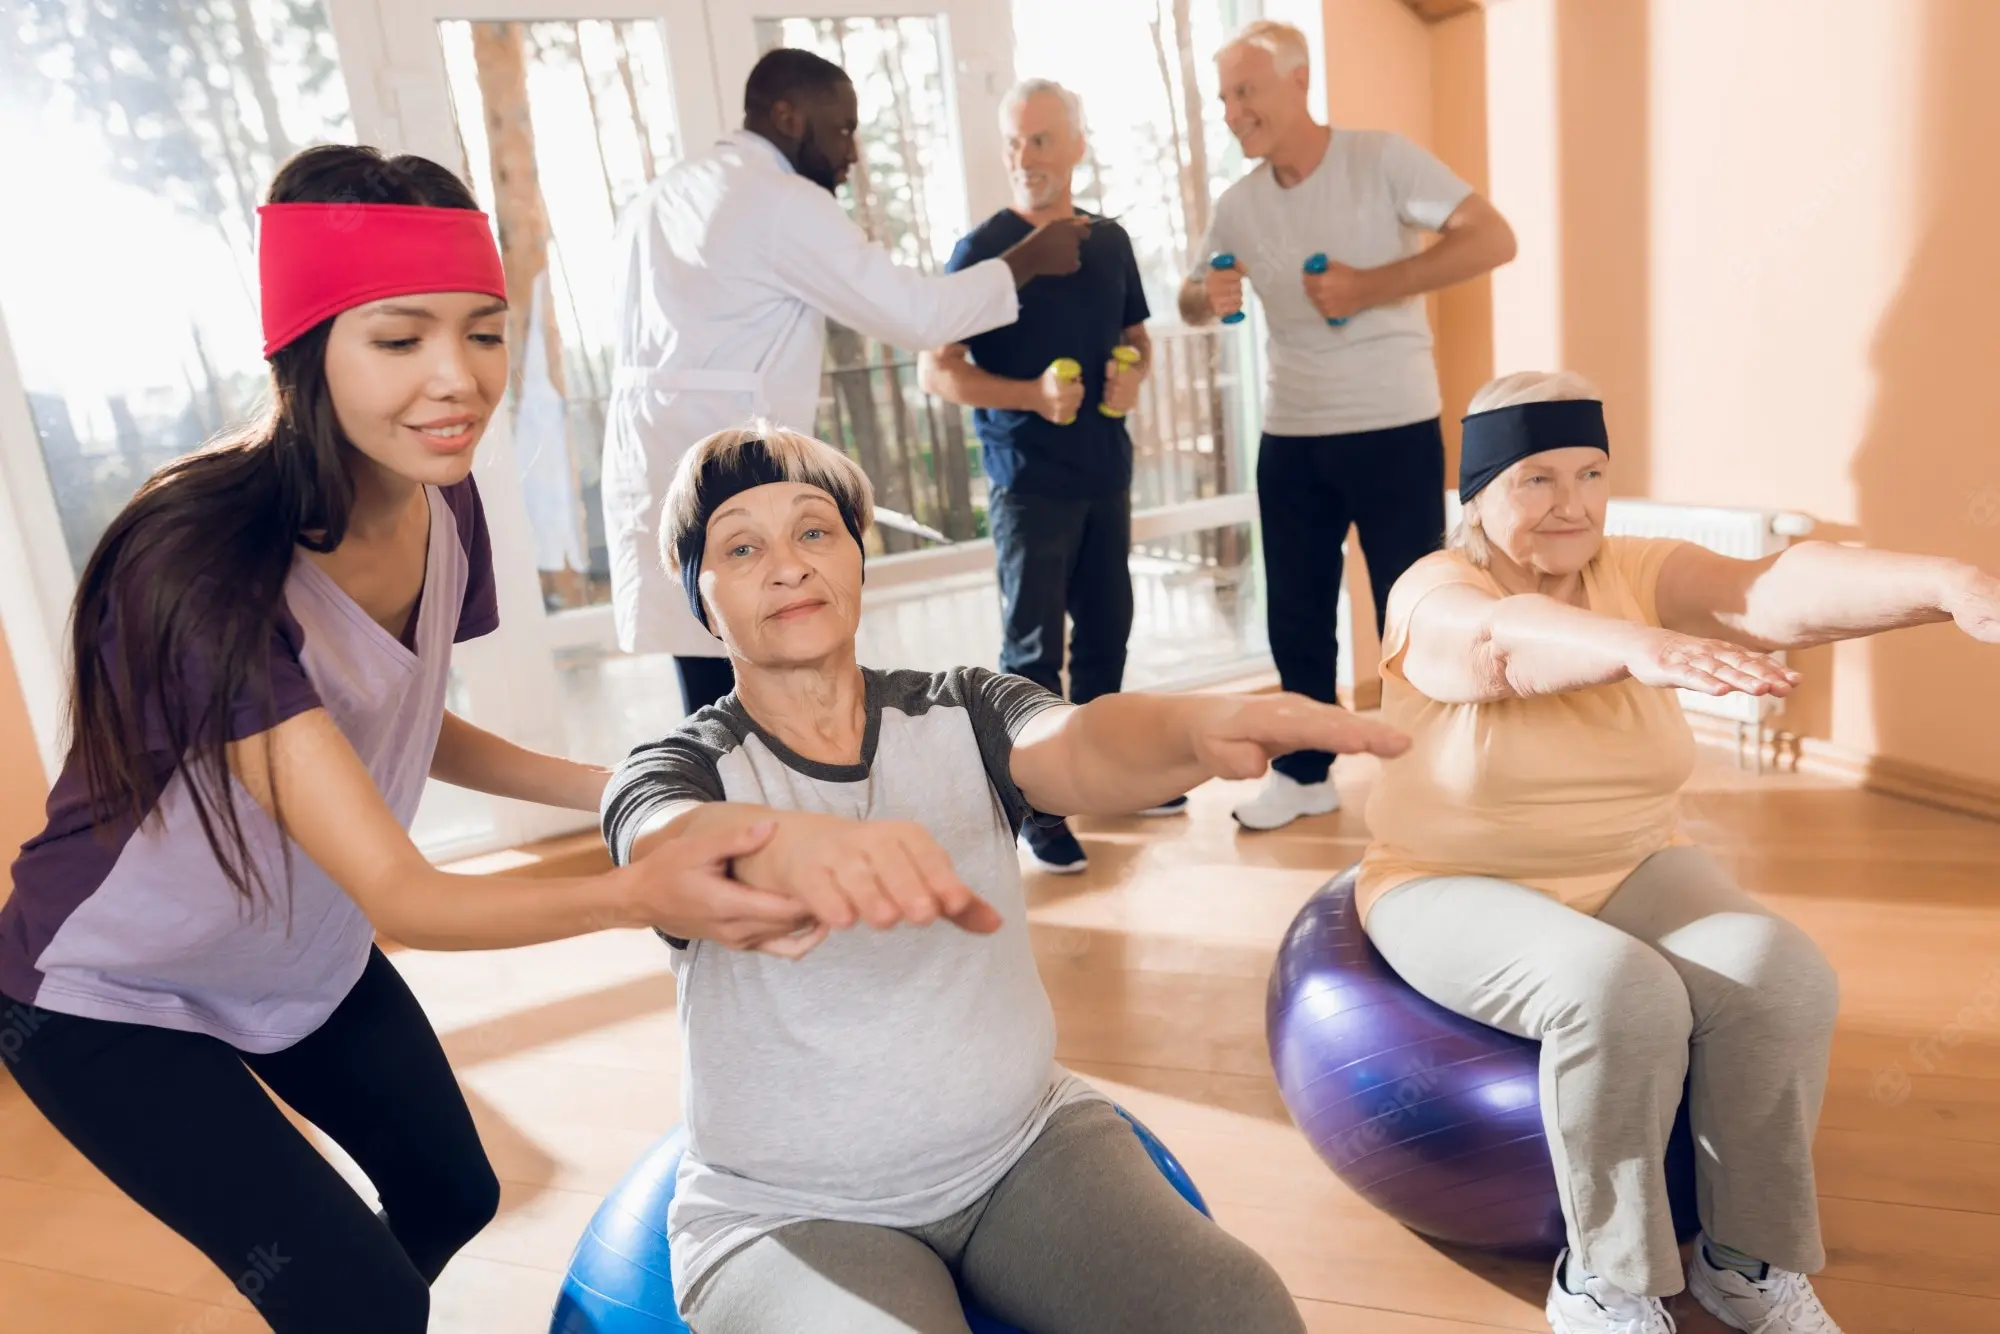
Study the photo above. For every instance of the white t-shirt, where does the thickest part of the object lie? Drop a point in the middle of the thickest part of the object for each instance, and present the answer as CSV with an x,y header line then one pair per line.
x,y
1365,205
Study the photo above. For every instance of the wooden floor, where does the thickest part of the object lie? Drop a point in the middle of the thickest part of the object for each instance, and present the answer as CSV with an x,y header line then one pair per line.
x,y
1157,963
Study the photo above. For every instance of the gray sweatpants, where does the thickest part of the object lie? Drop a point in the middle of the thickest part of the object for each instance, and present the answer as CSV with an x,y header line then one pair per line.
x,y
1082,1236
1681,973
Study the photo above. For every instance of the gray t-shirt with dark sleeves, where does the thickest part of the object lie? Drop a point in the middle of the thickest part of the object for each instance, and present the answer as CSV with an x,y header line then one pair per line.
x,y
889,1077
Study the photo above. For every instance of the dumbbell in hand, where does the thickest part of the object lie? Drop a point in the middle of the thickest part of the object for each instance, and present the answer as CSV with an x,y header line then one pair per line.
x,y
1222,262
1317,264
1127,357
1066,370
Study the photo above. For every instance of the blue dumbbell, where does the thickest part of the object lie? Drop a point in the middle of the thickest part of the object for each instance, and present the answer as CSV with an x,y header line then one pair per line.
x,y
1317,264
1227,261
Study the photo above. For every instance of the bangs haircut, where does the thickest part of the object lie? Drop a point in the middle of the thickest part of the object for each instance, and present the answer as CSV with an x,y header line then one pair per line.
x,y
729,462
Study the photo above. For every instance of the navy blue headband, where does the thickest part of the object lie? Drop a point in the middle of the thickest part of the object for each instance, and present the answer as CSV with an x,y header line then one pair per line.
x,y
1494,441
724,475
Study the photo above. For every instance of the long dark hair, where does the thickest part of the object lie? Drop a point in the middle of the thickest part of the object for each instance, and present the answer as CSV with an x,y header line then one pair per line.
x,y
176,611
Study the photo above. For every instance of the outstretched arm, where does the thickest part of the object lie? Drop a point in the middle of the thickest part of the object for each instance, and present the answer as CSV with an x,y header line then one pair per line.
x,y
1465,646
842,872
472,757
1817,592
305,771
1125,752
819,256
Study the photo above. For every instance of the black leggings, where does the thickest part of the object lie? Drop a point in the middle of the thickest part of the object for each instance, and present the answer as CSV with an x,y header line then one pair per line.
x,y
178,1123
1390,485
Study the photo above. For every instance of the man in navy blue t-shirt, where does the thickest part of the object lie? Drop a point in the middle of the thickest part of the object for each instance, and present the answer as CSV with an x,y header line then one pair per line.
x,y
1061,471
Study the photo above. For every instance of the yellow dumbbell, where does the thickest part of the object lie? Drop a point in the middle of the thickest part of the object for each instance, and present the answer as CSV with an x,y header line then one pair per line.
x,y
1066,369
1126,356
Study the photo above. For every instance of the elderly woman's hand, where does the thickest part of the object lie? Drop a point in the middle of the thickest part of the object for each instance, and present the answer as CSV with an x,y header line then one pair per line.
x,y
1242,735
1974,603
1707,666
877,871
683,887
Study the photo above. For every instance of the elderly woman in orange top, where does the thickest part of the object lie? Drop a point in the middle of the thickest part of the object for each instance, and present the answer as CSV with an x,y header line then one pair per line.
x,y
1528,870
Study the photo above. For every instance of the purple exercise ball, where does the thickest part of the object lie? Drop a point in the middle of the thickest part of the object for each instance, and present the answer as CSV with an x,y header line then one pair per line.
x,y
1432,1117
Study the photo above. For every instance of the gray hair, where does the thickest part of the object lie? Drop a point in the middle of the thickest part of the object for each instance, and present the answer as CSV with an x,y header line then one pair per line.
x,y
799,457
1285,44
1072,105
1467,536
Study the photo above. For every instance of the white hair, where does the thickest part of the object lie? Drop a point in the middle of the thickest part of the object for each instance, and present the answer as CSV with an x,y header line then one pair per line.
x,y
1285,43
1467,536
1072,105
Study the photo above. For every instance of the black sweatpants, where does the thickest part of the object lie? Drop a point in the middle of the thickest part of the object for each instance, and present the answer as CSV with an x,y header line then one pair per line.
x,y
1064,556
178,1123
1390,484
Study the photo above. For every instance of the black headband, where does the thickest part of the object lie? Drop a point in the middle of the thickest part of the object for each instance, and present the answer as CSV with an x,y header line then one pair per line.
x,y
1494,441
723,475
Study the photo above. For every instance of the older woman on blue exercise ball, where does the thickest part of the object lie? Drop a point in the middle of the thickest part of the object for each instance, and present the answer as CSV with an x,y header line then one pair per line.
x,y
1528,870
885,1116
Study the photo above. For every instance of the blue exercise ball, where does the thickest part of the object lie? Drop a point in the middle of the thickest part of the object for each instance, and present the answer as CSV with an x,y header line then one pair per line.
x,y
1433,1118
620,1278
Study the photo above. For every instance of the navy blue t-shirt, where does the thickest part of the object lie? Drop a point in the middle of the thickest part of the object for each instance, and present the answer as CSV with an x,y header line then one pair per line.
x,y
1081,316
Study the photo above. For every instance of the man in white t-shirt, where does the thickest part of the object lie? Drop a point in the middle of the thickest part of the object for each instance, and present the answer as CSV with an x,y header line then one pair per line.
x,y
1351,410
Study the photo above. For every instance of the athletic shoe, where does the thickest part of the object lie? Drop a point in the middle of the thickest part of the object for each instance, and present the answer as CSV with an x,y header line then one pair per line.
x,y
1171,806
1052,848
1779,1303
1603,1309
1284,800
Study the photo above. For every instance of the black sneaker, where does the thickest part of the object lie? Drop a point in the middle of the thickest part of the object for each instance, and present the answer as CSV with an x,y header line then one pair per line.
x,y
1052,848
1171,806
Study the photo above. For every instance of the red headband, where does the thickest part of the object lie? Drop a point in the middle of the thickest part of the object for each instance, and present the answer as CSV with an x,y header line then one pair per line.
x,y
316,260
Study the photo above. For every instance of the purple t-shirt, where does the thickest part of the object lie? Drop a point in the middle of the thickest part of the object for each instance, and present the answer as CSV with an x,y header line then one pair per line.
x,y
139,923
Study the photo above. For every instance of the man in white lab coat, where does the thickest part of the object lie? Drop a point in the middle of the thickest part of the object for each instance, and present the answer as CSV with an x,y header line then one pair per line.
x,y
730,264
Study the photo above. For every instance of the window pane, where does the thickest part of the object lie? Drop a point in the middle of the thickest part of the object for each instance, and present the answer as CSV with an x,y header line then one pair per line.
x,y
1151,164
585,118
1198,614
130,284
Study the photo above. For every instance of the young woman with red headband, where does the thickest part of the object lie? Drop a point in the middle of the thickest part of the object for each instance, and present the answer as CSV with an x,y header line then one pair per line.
x,y
261,645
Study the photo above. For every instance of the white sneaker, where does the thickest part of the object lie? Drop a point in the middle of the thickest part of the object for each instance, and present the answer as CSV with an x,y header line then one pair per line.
x,y
1603,1309
1284,800
1781,1303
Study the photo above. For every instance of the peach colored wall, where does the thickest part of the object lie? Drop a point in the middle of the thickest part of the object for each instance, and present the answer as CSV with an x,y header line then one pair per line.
x,y
1378,67
1463,315
1763,229
21,784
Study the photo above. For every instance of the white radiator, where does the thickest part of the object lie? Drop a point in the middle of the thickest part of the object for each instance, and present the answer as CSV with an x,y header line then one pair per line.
x,y
1745,534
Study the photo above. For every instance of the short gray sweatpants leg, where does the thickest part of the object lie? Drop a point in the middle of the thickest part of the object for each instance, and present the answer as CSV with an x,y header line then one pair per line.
x,y
1681,972
828,1278
1764,1000
1613,1021
1084,1236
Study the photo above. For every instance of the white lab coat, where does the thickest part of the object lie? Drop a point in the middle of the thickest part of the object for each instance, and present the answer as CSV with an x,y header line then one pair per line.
x,y
729,266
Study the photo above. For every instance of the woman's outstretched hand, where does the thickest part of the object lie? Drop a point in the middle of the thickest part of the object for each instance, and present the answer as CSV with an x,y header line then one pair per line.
x,y
684,888
1243,735
1706,666
1975,606
881,872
